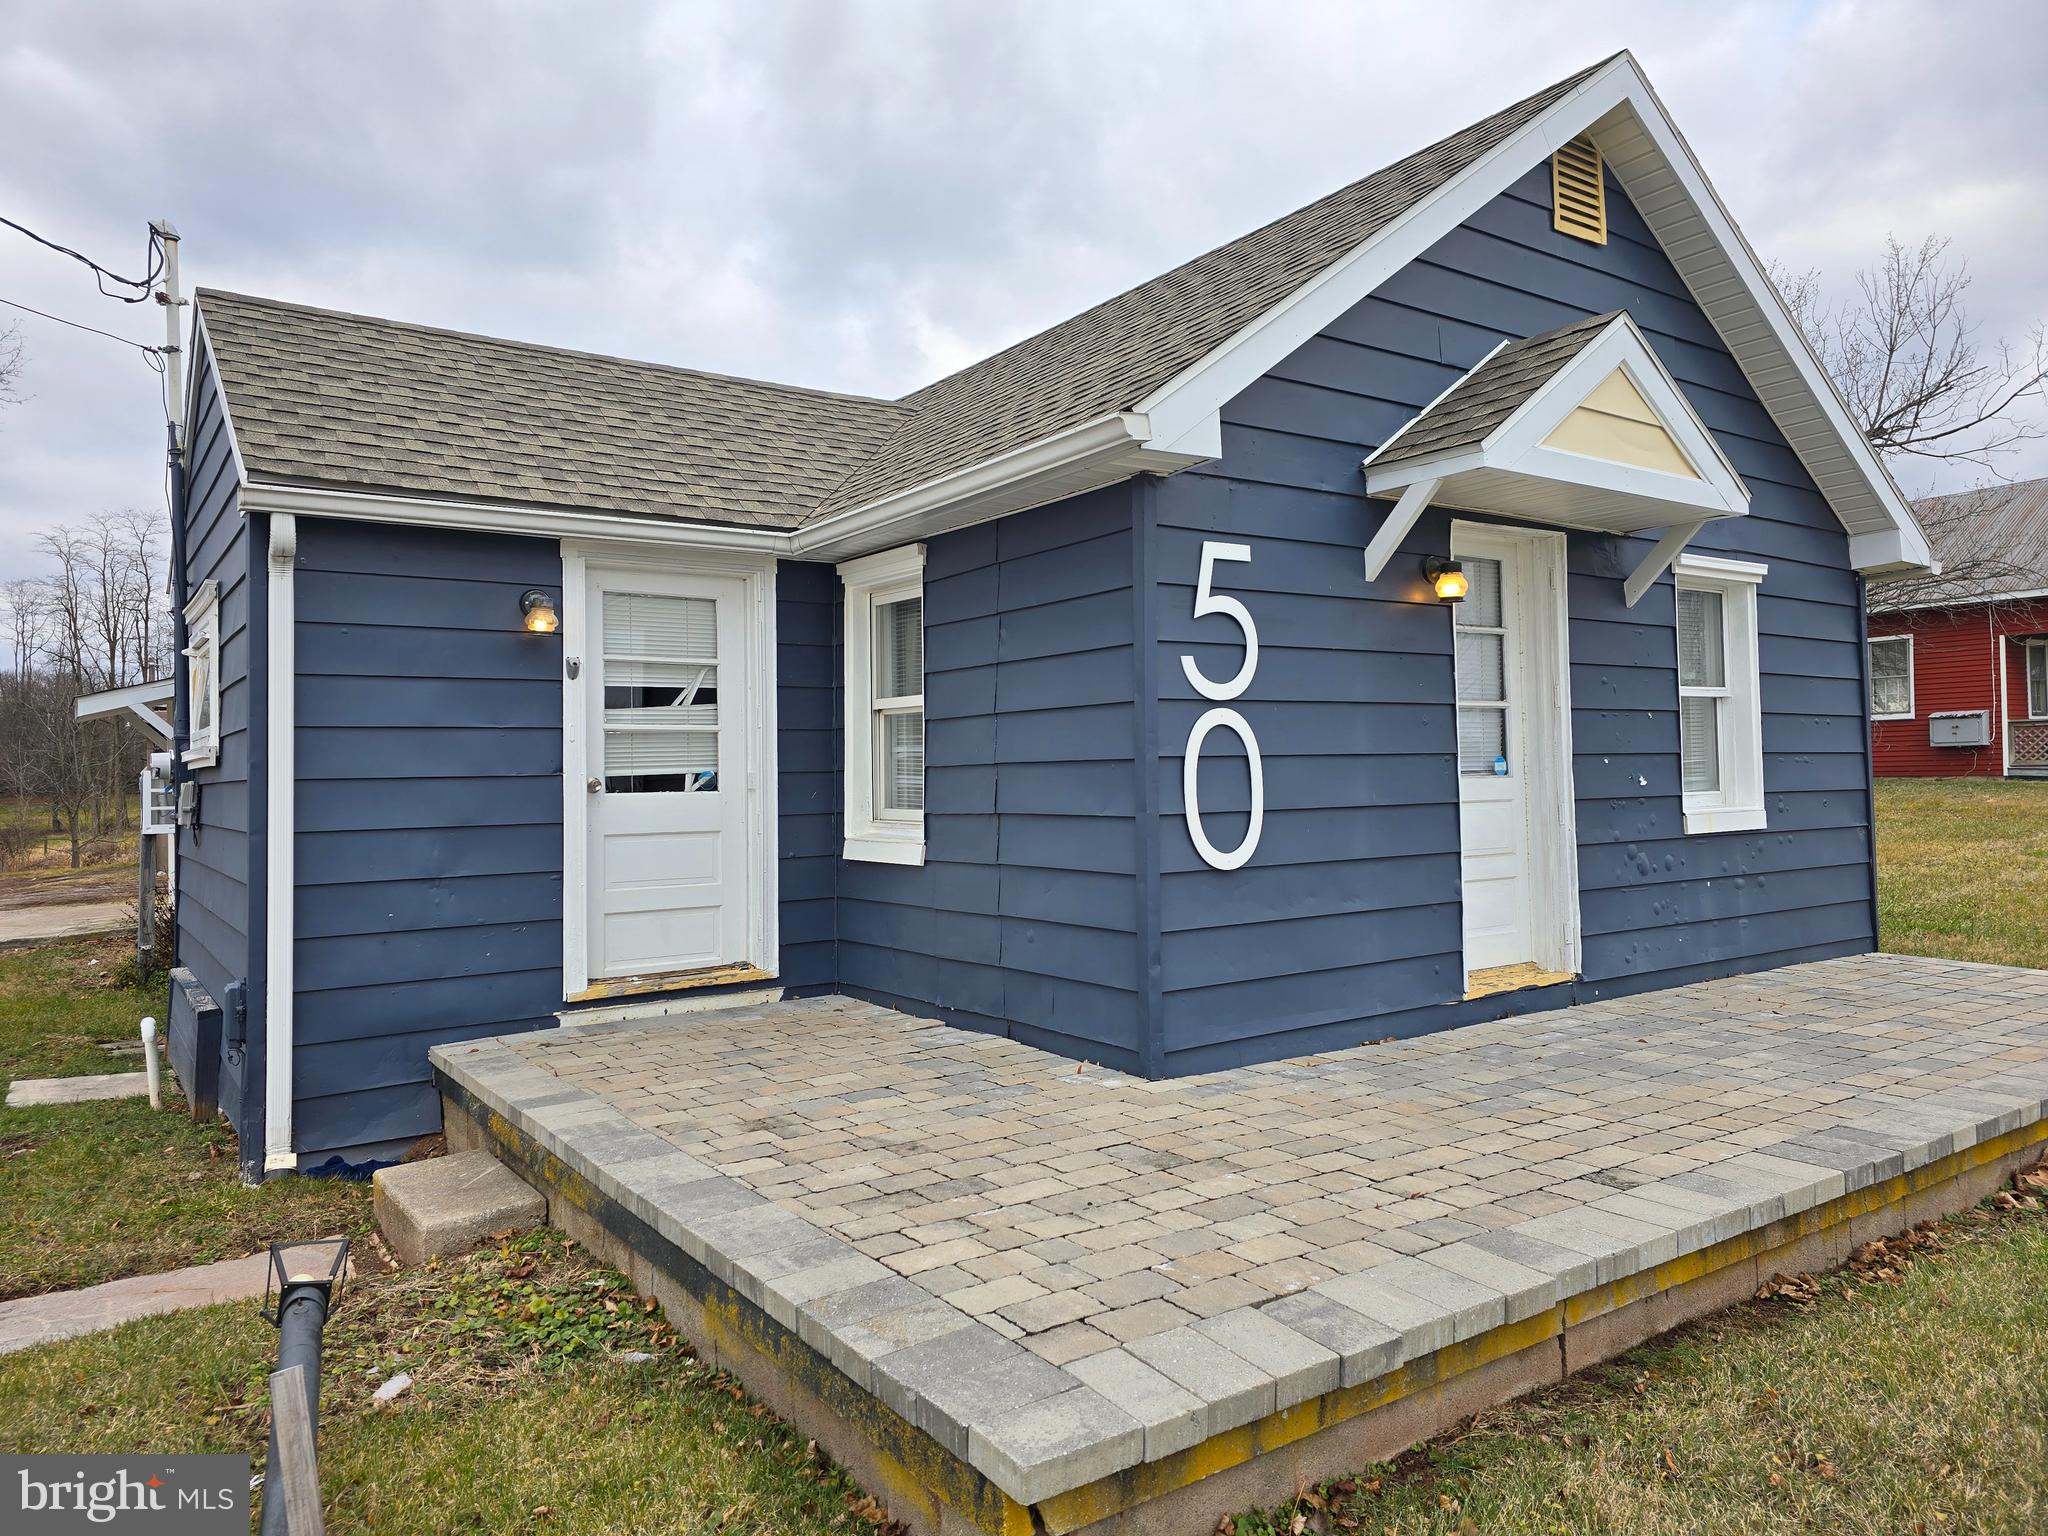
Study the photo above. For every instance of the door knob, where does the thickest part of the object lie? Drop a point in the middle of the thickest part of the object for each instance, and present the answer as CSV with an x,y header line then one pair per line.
x,y
594,785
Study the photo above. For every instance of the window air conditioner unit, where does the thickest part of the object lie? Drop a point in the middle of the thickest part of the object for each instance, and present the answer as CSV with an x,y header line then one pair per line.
x,y
1959,728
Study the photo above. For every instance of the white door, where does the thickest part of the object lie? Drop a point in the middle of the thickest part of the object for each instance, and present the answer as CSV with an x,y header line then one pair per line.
x,y
666,715
1494,771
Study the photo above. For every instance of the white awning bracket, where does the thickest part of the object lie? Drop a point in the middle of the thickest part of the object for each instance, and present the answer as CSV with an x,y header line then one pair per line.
x,y
1658,560
1413,503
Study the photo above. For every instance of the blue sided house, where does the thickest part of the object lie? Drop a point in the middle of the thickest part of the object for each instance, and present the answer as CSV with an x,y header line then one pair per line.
x,y
1444,602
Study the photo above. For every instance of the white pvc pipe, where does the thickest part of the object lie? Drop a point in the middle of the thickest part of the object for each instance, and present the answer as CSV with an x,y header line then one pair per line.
x,y
152,1070
279,876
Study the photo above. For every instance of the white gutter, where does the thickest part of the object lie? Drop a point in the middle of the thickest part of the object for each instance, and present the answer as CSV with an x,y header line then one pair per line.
x,y
504,518
1108,436
281,779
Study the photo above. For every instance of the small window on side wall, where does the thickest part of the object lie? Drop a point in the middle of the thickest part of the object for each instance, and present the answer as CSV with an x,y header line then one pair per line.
x,y
884,630
1891,678
2037,679
1720,705
202,676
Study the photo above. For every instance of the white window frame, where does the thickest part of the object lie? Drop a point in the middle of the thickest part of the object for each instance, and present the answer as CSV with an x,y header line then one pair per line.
x,y
202,638
1738,805
1912,699
2037,706
875,835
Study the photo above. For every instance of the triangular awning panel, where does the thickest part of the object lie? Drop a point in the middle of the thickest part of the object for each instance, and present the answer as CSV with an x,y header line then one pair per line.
x,y
1581,426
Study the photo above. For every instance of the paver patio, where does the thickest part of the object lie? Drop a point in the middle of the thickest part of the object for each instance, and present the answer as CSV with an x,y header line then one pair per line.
x,y
1060,1272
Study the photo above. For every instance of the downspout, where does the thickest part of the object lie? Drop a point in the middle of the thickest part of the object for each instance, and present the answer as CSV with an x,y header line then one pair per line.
x,y
280,777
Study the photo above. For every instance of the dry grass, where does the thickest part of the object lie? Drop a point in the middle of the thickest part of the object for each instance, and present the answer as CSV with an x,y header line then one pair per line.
x,y
1962,869
1886,1405
546,1398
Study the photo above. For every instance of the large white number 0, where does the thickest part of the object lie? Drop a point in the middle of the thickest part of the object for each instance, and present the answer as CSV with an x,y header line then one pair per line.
x,y
1206,603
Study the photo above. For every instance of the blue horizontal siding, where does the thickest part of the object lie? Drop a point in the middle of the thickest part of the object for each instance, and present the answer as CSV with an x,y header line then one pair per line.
x,y
1025,915
218,940
429,817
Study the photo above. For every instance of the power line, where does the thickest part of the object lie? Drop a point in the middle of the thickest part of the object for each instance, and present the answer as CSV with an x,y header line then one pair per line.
x,y
100,274
156,361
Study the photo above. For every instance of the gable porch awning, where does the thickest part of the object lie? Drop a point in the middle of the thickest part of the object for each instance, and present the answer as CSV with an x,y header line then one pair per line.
x,y
142,700
1580,427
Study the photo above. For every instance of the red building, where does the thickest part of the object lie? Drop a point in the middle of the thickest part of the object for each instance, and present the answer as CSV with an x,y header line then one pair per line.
x,y
1959,662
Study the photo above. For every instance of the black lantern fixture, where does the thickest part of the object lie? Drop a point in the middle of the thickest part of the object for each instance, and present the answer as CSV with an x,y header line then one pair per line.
x,y
1446,578
537,612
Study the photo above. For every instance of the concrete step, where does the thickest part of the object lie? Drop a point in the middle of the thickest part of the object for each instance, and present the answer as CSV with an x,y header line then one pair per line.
x,y
26,1091
450,1204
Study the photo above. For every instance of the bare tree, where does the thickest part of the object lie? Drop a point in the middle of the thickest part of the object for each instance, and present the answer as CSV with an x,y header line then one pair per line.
x,y
91,622
1907,359
10,364
1904,352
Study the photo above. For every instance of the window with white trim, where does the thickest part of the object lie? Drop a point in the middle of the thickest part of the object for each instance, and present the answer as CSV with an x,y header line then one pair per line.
x,y
202,676
1720,705
884,628
2037,679
1891,677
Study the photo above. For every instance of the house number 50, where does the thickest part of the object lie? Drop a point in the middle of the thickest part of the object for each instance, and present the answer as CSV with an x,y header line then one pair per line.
x,y
1206,603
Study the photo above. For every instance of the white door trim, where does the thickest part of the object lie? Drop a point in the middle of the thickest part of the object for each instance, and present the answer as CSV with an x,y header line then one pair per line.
x,y
1547,725
763,906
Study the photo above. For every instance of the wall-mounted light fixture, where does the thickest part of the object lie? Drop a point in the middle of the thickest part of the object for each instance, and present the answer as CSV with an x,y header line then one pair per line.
x,y
1447,578
537,611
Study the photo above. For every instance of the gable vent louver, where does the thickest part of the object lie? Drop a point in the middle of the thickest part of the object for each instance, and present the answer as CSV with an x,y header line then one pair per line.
x,y
1578,192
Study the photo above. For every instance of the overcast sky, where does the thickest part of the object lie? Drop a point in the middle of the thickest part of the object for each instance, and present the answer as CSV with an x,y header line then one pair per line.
x,y
863,196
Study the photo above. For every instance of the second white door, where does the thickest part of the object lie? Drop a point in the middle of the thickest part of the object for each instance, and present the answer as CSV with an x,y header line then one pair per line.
x,y
666,712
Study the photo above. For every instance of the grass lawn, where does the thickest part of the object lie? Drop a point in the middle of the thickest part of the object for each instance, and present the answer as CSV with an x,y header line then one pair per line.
x,y
530,1412
1909,1403
92,1192
1962,869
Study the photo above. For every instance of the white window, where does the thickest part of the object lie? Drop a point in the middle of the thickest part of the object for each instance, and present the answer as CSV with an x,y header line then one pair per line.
x,y
885,706
1720,709
1891,678
2037,679
202,675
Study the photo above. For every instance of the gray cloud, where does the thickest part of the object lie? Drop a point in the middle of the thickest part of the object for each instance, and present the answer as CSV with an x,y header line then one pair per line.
x,y
864,196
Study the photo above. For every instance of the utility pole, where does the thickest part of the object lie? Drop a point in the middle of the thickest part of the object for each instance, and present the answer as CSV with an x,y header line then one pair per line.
x,y
173,302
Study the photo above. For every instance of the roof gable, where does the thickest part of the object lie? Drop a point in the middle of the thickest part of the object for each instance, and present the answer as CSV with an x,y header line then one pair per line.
x,y
1581,426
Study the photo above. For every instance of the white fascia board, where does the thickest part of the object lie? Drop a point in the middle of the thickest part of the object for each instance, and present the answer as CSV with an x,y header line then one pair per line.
x,y
203,343
1894,552
1652,119
505,517
1117,436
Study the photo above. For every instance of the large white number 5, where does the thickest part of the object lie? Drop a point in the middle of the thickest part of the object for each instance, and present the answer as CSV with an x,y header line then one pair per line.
x,y
1206,603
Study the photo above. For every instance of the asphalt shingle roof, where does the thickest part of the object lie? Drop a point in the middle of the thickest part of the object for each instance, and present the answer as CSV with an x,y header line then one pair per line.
x,y
1471,409
323,397
329,398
